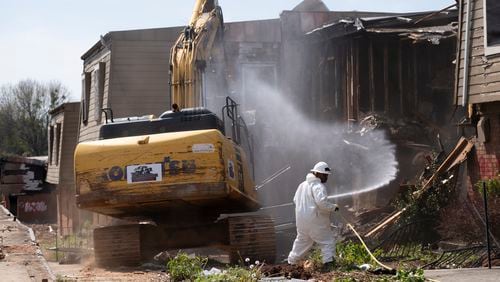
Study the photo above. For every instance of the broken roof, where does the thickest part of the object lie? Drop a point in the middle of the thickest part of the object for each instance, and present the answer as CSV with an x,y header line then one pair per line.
x,y
37,161
429,26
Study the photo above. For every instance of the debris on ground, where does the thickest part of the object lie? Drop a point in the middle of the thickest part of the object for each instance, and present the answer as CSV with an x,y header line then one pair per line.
x,y
286,270
439,176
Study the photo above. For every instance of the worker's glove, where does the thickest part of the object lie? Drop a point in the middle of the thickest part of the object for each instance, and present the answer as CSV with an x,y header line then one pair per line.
x,y
336,208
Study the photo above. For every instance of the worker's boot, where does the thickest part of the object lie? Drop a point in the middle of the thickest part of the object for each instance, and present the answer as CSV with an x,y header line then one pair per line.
x,y
329,266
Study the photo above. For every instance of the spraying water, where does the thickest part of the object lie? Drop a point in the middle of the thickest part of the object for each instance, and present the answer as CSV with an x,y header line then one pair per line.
x,y
287,136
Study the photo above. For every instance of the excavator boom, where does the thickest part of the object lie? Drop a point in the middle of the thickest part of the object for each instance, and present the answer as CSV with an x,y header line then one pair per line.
x,y
192,52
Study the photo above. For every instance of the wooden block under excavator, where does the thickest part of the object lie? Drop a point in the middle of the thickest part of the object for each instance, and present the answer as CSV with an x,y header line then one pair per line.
x,y
117,245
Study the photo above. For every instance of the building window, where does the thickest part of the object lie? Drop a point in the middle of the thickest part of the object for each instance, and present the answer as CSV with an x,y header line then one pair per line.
x,y
100,79
492,27
263,75
86,87
58,142
51,144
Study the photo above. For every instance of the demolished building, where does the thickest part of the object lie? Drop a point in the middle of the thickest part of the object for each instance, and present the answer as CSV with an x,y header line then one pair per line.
x,y
393,73
23,190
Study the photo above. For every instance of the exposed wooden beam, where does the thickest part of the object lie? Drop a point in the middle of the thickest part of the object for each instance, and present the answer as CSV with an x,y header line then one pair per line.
x,y
386,78
371,77
400,80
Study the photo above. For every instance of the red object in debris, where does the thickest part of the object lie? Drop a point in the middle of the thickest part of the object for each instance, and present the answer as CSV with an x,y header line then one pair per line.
x,y
429,159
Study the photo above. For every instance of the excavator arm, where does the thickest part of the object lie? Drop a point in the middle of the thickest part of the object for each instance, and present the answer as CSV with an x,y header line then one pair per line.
x,y
192,52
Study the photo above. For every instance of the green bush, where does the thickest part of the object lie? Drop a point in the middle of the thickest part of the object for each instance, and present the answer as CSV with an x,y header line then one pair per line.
x,y
352,254
492,186
345,279
315,258
412,275
184,267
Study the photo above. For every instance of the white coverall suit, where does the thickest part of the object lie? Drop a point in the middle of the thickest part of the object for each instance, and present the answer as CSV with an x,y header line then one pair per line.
x,y
312,213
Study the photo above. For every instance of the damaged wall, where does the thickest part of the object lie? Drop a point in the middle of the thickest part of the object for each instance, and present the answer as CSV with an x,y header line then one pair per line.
x,y
388,73
37,207
23,189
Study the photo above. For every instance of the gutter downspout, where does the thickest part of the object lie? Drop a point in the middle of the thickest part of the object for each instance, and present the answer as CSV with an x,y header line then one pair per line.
x,y
465,87
458,52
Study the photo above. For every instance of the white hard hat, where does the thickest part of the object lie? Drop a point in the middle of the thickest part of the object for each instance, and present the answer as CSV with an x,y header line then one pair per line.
x,y
322,167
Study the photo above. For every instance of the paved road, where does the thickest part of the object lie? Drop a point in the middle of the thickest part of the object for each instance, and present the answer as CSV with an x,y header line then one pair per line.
x,y
464,275
23,260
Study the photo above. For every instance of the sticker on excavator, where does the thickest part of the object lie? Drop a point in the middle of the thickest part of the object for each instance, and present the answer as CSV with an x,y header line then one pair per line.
x,y
144,173
230,169
203,148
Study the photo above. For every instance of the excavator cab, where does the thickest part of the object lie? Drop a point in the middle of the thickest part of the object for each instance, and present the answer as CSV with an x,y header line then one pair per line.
x,y
170,121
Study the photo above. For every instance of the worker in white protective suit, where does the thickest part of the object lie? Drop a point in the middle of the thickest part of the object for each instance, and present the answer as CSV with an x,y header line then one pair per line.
x,y
312,213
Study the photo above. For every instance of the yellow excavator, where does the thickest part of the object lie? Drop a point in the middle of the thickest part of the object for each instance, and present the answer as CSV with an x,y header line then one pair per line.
x,y
178,179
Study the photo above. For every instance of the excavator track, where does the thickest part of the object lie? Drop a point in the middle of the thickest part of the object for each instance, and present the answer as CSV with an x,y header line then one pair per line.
x,y
252,237
117,245
248,236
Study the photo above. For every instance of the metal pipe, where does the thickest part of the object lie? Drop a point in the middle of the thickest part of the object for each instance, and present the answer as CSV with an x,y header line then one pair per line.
x,y
458,52
272,177
488,244
435,13
465,86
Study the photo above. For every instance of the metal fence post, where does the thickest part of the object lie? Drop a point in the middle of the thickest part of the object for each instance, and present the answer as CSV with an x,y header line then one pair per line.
x,y
485,198
57,248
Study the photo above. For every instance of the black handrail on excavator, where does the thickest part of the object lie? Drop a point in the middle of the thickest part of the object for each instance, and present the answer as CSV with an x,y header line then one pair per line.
x,y
106,111
237,122
231,109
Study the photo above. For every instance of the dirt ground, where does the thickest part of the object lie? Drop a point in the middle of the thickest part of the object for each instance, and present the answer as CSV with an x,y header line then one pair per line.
x,y
82,268
88,272
21,258
298,272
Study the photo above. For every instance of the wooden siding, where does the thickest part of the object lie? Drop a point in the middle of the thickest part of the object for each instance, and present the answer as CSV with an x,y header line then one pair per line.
x,y
70,218
69,141
140,72
61,170
53,163
90,130
253,31
484,71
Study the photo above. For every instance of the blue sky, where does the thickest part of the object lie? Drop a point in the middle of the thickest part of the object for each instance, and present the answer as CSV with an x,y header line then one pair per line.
x,y
44,39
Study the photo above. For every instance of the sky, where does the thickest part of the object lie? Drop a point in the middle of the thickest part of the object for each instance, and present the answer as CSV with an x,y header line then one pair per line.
x,y
44,39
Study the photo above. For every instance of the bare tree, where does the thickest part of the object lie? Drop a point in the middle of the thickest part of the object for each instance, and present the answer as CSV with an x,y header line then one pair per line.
x,y
24,109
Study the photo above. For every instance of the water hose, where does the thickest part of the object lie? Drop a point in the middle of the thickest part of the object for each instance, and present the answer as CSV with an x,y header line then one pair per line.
x,y
366,248
363,243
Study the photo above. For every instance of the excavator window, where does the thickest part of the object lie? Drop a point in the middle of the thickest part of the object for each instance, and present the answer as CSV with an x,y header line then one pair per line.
x,y
170,121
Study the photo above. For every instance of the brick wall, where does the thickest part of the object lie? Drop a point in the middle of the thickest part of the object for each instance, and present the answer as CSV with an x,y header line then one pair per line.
x,y
484,163
488,154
